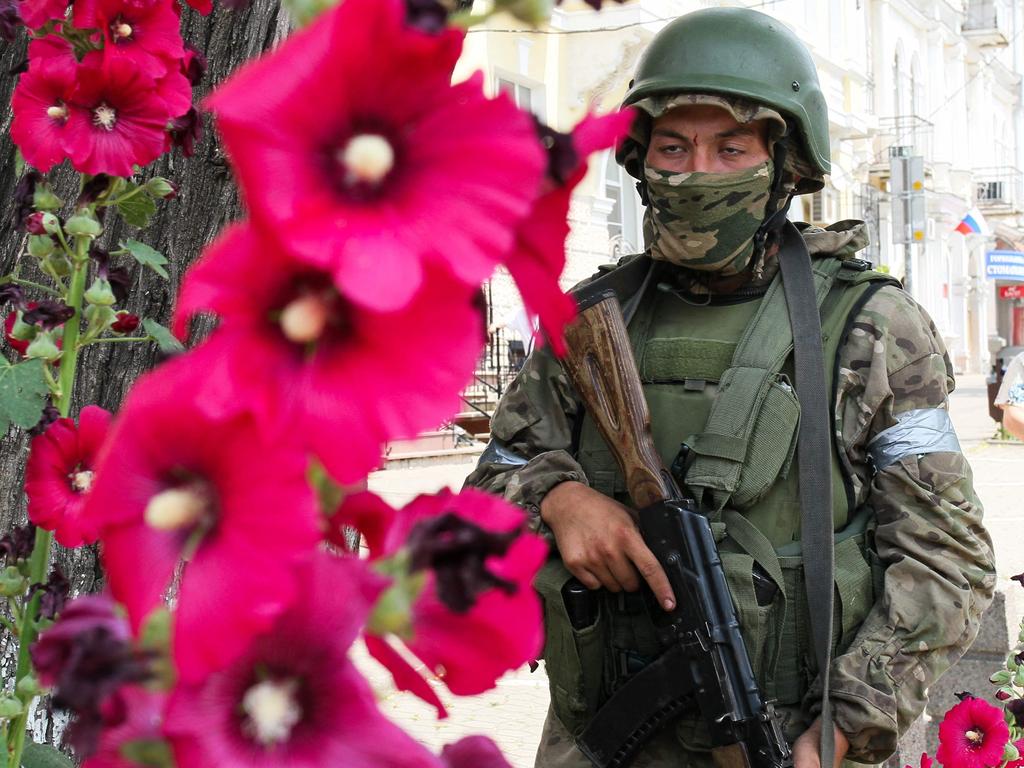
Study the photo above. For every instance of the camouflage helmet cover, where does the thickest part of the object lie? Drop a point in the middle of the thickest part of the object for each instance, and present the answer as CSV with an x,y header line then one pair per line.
x,y
747,59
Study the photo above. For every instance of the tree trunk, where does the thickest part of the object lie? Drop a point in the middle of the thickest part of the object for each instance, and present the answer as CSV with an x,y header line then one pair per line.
x,y
208,200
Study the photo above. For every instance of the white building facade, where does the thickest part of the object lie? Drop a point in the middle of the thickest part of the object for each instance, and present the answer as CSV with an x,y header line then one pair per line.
x,y
936,79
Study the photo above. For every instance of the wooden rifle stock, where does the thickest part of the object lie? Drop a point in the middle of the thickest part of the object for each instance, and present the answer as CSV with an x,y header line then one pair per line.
x,y
600,363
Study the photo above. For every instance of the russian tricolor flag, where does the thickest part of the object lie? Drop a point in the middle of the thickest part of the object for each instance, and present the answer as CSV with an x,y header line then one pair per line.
x,y
973,224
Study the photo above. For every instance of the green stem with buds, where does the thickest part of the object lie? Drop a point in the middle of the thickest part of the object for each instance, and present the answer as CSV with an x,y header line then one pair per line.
x,y
36,286
40,557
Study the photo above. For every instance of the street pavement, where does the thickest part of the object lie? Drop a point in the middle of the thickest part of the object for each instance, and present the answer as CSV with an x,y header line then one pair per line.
x,y
513,713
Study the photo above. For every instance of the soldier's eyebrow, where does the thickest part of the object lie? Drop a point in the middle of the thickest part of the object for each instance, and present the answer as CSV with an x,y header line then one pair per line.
x,y
670,134
738,131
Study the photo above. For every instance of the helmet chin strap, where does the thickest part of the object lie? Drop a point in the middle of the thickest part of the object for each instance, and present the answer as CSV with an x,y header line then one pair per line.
x,y
774,222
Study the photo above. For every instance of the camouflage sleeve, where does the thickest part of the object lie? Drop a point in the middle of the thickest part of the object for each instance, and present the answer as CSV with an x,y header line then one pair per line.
x,y
939,569
531,438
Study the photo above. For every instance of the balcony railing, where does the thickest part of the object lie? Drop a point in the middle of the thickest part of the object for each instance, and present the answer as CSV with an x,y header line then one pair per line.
x,y
987,22
999,190
904,136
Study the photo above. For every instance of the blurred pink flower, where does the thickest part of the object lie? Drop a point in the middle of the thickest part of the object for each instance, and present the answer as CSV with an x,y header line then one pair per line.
x,y
474,752
52,50
972,734
477,616
132,715
59,475
351,143
35,13
147,34
310,364
294,699
537,260
171,484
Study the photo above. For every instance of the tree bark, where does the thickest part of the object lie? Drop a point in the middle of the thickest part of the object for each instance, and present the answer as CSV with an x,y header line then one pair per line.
x,y
208,200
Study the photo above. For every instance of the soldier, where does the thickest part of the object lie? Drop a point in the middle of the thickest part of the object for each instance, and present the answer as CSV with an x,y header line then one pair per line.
x,y
731,125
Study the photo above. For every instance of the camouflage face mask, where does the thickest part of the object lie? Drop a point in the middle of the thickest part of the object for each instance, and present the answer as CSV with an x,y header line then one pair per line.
x,y
706,221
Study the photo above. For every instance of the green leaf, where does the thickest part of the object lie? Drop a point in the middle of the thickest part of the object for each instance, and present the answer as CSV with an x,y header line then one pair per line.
x,y
23,392
137,209
146,256
19,163
163,337
44,756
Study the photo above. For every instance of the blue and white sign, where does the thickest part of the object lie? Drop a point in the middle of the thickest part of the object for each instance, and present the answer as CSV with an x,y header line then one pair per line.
x,y
1004,265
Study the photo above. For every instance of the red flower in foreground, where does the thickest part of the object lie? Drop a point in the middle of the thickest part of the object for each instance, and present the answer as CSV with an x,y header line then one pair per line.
x,y
295,699
117,119
133,714
59,475
172,483
972,734
477,616
52,50
474,752
35,13
306,362
371,171
41,107
538,258
145,33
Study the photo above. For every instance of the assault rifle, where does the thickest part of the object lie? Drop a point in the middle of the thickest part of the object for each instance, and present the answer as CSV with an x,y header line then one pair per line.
x,y
705,658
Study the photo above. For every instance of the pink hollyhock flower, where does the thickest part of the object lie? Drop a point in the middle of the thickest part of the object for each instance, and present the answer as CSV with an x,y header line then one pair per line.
x,y
295,699
132,715
117,120
52,50
538,257
477,616
147,34
378,170
972,734
307,362
203,6
59,475
171,483
474,752
35,13
926,761
42,111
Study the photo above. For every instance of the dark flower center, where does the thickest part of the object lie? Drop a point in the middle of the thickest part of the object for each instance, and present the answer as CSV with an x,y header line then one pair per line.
x,y
457,551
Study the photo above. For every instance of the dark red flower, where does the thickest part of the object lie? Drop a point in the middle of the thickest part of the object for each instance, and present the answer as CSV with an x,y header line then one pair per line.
x,y
24,202
185,132
87,656
1019,578
42,108
145,33
47,314
477,616
131,715
173,482
294,699
538,257
193,64
972,734
59,475
305,361
10,20
117,118
126,322
17,545
378,171
53,594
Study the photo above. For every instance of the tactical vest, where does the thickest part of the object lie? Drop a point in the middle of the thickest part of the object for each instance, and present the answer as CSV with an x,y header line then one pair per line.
x,y
734,421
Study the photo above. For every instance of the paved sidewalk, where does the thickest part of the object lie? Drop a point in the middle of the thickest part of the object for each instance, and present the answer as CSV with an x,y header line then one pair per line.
x,y
513,713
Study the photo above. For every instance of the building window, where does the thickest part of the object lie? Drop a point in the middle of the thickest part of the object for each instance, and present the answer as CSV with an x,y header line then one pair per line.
x,y
525,97
626,216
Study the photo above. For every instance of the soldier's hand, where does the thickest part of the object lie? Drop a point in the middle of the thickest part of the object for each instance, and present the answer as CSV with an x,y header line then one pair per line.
x,y
600,544
805,748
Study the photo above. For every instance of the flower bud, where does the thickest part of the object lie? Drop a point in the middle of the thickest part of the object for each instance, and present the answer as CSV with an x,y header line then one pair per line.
x,y
43,347
34,223
83,225
44,200
161,187
125,322
1002,694
21,330
28,688
100,293
57,264
10,707
98,318
12,582
41,246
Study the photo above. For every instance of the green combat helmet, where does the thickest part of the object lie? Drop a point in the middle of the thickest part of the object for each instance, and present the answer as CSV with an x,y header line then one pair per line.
x,y
737,52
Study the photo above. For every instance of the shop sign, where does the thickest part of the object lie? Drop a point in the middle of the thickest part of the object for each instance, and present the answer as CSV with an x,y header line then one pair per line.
x,y
1011,291
1004,265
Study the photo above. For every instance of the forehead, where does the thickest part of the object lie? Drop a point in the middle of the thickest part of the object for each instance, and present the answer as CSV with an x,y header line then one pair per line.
x,y
703,119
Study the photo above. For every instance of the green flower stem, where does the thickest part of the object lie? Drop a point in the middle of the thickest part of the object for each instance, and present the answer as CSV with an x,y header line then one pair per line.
x,y
117,339
11,627
36,286
126,196
40,558
64,244
50,381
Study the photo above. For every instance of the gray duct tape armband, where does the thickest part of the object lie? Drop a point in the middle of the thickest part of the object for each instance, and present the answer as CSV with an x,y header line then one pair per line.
x,y
921,431
496,453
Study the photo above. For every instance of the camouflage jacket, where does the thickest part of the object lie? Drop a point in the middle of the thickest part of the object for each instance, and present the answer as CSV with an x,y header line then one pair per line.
x,y
940,572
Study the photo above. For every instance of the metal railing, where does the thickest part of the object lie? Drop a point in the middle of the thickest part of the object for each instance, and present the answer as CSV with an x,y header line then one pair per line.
x,y
999,189
905,135
987,17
